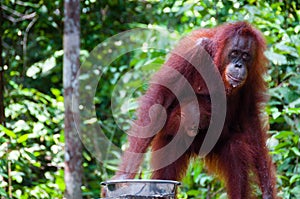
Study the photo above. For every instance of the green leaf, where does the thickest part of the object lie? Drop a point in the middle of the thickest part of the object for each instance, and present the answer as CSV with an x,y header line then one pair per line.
x,y
193,192
22,138
294,178
292,111
295,103
287,49
3,192
8,132
284,134
20,126
41,67
60,181
32,156
276,58
296,191
56,92
29,4
275,113
295,81
184,8
17,176
296,151
14,155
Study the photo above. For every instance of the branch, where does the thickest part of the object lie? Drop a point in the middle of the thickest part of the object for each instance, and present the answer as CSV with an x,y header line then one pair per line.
x,y
25,42
21,17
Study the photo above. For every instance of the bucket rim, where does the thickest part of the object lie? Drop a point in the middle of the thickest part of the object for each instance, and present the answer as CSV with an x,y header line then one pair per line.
x,y
108,182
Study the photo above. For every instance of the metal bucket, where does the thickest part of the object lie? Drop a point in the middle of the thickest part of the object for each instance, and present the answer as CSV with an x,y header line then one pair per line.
x,y
136,189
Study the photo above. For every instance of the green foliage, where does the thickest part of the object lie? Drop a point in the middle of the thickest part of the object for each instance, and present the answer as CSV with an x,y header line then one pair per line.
x,y
31,143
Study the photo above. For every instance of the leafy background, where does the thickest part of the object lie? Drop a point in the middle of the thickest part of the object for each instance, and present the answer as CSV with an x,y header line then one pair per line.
x,y
32,143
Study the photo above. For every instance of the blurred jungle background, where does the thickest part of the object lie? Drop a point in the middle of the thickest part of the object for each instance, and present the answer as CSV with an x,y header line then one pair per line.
x,y
32,128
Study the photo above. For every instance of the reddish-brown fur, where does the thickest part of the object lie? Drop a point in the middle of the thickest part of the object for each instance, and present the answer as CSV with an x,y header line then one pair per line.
x,y
241,149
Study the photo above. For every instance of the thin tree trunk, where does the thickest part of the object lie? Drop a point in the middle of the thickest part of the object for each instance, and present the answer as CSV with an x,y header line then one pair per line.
x,y
73,145
2,115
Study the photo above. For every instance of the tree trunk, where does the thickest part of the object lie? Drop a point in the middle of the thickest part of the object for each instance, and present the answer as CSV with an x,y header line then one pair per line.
x,y
73,145
2,115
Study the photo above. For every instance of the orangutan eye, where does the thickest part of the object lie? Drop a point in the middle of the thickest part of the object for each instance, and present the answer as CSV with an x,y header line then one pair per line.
x,y
234,54
245,56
